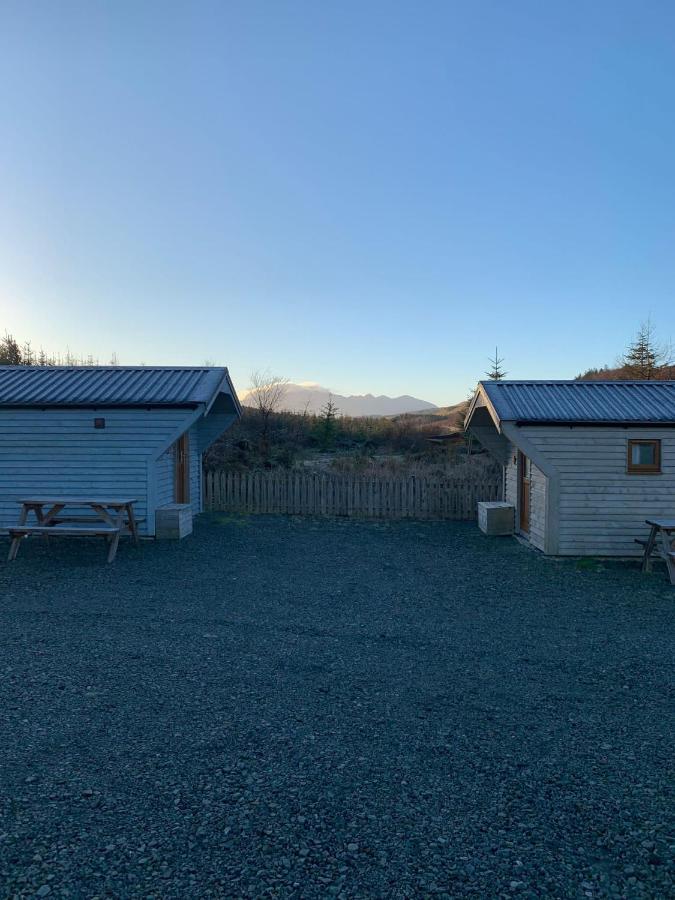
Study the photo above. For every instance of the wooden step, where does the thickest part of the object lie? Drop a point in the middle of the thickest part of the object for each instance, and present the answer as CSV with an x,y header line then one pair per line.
x,y
60,520
63,529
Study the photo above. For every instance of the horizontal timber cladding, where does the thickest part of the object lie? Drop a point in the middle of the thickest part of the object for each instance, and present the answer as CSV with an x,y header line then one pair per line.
x,y
601,509
347,495
53,452
511,478
538,497
537,507
166,477
166,474
195,471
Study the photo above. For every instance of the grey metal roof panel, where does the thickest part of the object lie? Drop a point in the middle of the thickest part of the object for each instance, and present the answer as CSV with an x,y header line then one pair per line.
x,y
110,385
641,402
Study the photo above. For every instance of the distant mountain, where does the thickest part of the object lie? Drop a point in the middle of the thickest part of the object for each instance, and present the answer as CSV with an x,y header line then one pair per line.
x,y
444,419
312,397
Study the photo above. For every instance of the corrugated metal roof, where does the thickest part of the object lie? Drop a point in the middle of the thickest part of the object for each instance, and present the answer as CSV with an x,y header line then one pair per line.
x,y
583,401
110,385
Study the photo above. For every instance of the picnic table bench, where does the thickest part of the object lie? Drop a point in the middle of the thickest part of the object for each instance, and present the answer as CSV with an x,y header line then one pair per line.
x,y
660,543
110,518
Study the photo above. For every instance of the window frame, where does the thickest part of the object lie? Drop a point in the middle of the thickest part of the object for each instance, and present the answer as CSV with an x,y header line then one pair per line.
x,y
642,468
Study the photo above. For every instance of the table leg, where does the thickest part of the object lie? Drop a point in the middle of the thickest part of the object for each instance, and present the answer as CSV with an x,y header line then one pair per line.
x,y
14,547
649,547
119,521
131,519
51,514
666,550
105,515
23,518
112,549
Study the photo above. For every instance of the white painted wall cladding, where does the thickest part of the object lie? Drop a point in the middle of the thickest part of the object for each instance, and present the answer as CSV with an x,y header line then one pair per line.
x,y
602,509
200,436
195,471
166,476
58,451
538,497
537,507
511,477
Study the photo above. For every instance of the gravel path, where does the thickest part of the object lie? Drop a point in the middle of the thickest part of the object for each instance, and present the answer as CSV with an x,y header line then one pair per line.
x,y
291,708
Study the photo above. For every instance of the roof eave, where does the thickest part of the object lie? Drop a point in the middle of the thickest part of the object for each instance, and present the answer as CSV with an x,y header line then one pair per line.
x,y
103,404
597,423
481,392
227,381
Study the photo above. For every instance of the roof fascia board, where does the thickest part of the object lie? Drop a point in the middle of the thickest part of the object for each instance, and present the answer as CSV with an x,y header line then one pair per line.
x,y
516,436
481,392
227,381
184,426
472,406
101,404
115,368
592,423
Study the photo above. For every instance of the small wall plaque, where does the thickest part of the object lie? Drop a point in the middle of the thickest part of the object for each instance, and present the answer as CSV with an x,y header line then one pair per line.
x,y
99,423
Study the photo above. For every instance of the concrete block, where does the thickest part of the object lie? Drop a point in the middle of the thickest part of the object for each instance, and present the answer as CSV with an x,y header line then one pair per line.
x,y
496,517
173,521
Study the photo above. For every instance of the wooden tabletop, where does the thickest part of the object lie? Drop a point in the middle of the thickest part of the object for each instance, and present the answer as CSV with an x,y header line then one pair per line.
x,y
73,501
663,524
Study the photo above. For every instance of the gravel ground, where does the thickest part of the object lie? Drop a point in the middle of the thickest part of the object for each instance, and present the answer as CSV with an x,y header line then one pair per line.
x,y
291,708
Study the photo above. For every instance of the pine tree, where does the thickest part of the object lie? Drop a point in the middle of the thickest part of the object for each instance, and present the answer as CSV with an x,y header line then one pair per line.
x,y
496,372
328,423
10,352
644,356
27,355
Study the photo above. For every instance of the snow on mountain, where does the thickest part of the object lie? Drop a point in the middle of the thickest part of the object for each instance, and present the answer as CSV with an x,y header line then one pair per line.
x,y
311,396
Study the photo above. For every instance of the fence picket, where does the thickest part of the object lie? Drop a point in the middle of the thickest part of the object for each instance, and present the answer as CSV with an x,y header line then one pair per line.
x,y
299,493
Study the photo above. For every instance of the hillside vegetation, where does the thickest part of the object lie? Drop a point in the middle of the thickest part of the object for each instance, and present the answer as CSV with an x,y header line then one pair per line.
x,y
342,442
626,373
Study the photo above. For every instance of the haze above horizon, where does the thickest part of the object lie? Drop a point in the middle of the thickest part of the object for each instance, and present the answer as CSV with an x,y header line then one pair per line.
x,y
372,195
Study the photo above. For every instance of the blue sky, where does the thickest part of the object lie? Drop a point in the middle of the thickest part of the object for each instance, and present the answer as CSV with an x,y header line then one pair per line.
x,y
369,195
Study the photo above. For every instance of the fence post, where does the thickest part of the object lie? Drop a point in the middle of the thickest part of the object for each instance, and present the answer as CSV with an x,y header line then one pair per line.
x,y
313,493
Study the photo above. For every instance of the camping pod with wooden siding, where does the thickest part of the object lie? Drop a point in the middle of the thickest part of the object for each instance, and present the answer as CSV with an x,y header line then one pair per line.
x,y
585,462
110,431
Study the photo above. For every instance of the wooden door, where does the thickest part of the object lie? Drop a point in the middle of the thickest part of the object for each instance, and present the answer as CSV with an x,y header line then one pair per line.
x,y
524,479
182,474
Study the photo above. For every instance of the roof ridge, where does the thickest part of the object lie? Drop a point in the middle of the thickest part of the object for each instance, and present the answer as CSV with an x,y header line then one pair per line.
x,y
51,368
575,381
636,402
48,386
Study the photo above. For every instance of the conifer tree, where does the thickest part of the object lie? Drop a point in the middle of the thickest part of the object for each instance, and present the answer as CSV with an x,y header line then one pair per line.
x,y
644,357
328,423
496,372
10,352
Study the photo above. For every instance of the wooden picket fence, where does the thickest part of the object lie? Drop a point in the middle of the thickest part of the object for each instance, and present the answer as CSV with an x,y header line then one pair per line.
x,y
311,494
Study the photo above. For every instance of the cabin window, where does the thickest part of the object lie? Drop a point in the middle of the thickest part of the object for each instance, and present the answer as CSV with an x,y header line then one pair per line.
x,y
644,457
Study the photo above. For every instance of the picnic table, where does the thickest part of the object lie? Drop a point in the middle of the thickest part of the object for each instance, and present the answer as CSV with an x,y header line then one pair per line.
x,y
109,518
661,542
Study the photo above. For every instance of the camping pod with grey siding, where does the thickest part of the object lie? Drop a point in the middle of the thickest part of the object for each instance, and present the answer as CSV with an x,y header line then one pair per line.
x,y
585,462
110,431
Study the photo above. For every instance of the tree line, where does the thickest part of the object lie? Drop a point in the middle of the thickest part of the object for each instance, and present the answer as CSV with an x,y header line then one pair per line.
x,y
12,353
646,358
268,435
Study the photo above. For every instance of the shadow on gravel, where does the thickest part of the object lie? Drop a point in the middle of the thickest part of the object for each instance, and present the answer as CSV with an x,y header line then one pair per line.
x,y
310,708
